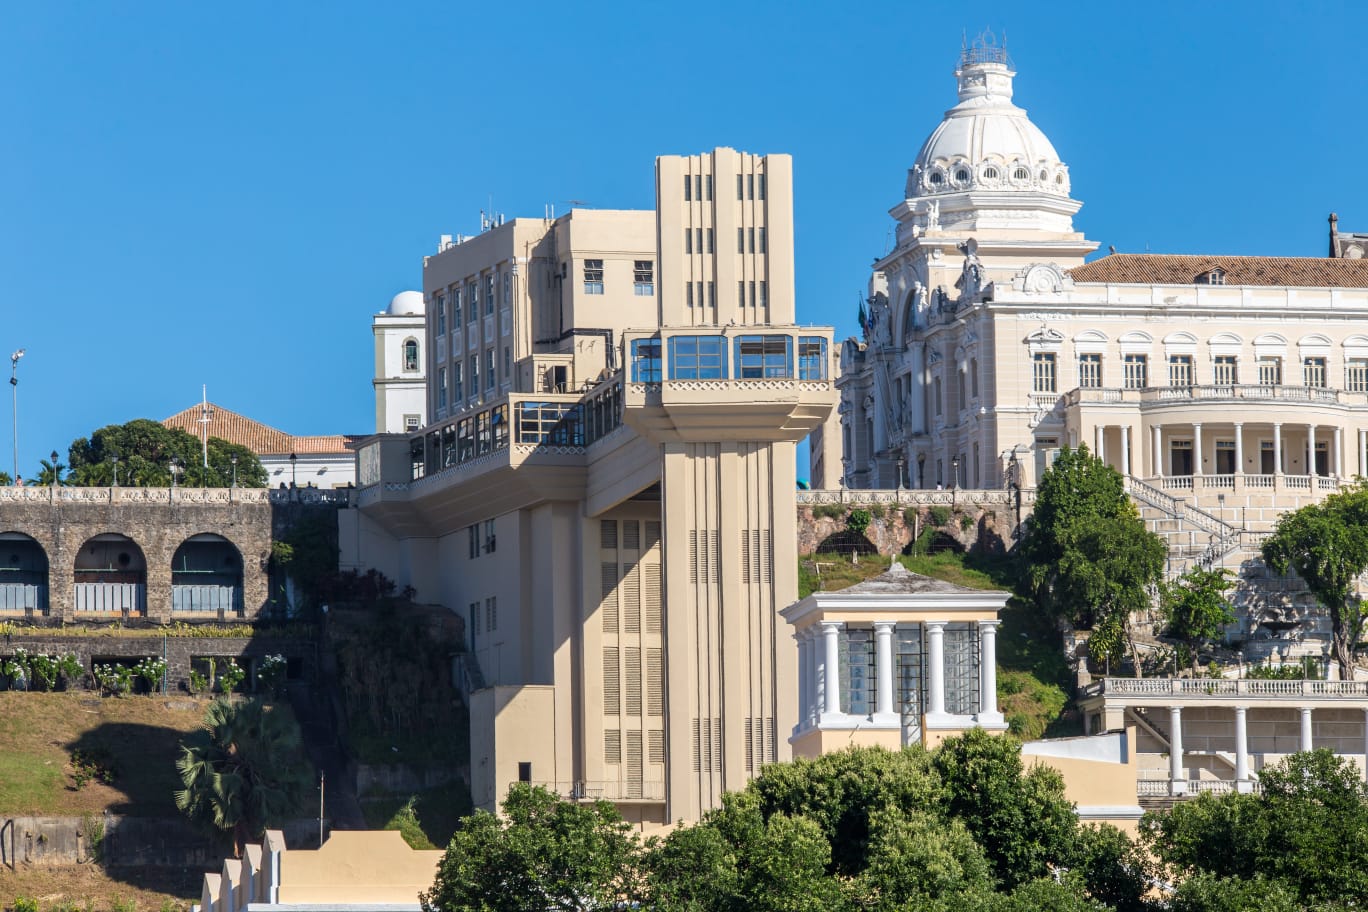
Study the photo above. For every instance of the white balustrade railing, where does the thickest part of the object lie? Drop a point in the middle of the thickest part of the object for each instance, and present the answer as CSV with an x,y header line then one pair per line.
x,y
179,495
1225,687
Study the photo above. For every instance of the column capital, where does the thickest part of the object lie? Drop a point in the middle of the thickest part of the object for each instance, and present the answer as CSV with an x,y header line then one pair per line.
x,y
1242,710
989,625
1238,425
881,626
935,625
832,626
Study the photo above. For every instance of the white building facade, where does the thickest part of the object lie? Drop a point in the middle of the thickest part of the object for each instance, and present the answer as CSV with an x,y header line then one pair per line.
x,y
401,364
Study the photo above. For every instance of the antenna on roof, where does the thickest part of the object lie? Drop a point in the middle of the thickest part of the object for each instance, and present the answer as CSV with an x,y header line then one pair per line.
x,y
206,415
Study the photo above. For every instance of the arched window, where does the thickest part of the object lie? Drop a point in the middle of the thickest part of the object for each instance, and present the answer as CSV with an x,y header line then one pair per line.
x,y
1021,174
990,173
962,175
410,354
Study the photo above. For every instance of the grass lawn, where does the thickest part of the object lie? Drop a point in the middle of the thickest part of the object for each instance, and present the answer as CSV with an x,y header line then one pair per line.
x,y
139,735
90,888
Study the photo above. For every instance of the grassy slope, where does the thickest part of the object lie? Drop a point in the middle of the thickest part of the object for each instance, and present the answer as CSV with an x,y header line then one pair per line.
x,y
1033,678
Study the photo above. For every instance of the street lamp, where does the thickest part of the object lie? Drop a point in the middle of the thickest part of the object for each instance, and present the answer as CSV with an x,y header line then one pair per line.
x,y
115,459
233,460
294,475
53,454
954,469
14,406
175,470
902,461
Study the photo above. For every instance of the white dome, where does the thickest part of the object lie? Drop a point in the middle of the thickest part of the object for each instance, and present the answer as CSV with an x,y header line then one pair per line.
x,y
407,304
985,141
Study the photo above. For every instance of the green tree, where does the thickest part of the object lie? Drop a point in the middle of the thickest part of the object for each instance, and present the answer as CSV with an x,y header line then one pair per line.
x,y
50,473
1309,829
541,854
917,859
1087,556
244,770
145,450
5,479
1196,608
1020,818
1207,893
1326,544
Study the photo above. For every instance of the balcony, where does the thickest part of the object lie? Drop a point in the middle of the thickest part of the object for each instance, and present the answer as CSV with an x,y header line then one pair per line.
x,y
607,790
1156,396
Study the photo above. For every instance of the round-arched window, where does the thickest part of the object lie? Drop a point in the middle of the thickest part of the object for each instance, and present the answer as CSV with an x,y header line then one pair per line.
x,y
937,178
410,355
990,173
1059,179
962,175
1021,174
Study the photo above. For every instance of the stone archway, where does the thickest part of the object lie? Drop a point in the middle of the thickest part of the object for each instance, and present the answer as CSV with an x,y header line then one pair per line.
x,y
109,577
206,577
23,575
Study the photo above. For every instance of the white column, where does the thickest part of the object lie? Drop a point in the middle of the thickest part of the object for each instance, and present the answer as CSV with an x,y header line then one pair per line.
x,y
1242,783
883,658
1239,449
1363,452
988,707
1339,451
1125,449
1177,776
935,637
1197,449
1305,729
1100,442
1157,458
1365,737
1277,449
831,663
1310,449
807,681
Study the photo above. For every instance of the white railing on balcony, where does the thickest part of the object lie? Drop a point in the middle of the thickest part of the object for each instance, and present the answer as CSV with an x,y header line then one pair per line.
x,y
611,790
1168,395
206,599
111,598
22,598
1226,687
914,496
1163,788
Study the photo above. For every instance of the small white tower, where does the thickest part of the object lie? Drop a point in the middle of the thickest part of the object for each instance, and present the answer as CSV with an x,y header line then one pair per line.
x,y
400,365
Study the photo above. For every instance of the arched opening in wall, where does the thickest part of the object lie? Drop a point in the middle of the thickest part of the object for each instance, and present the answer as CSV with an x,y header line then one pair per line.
x,y
23,575
110,577
847,542
206,577
933,541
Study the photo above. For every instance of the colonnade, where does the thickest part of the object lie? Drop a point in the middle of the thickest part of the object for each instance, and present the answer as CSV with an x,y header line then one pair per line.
x,y
1243,778
1127,459
819,686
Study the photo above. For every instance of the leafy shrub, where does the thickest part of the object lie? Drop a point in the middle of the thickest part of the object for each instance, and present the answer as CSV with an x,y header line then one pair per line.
x,y
938,515
858,521
123,905
828,511
151,670
966,522
115,680
70,669
24,904
271,674
198,682
231,677
15,670
91,766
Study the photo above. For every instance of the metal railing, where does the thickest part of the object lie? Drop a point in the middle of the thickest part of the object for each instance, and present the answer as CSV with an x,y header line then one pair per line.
x,y
1225,687
607,790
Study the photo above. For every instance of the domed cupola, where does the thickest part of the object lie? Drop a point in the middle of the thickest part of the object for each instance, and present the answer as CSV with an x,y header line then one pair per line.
x,y
987,165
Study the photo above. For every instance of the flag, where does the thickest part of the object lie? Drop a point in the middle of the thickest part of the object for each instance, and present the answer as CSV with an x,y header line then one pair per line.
x,y
863,317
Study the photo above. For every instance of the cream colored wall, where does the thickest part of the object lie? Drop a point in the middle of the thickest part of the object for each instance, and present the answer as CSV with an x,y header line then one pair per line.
x,y
374,867
814,742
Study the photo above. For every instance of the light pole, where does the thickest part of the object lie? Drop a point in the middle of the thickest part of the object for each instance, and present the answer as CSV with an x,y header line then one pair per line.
x,y
175,470
954,479
902,461
53,454
14,406
233,460
294,475
115,460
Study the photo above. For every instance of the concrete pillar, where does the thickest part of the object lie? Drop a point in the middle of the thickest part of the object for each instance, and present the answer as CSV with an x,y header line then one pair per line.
x,y
1242,783
988,707
1305,744
1365,738
1100,442
1310,449
1339,451
1197,449
1177,775
1157,456
1125,450
1363,452
831,662
804,678
883,659
935,703
1277,449
1239,449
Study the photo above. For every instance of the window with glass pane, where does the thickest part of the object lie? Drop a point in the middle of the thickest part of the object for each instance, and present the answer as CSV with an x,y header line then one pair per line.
x,y
812,358
1043,378
698,358
465,438
457,393
449,445
489,369
440,301
643,277
1180,370
907,643
441,387
474,374
1270,371
961,668
764,356
645,360
498,417
1313,372
1137,371
483,438
593,276
489,295
1356,375
410,355
472,302
456,306
1223,370
857,671
1090,371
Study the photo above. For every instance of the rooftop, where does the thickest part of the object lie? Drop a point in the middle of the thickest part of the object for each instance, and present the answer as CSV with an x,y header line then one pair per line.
x,y
261,439
1183,269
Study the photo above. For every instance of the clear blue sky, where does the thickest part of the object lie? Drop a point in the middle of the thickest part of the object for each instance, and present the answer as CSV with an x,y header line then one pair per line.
x,y
223,193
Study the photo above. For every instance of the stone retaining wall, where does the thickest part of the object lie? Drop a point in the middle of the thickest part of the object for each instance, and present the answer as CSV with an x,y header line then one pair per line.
x,y
973,520
151,841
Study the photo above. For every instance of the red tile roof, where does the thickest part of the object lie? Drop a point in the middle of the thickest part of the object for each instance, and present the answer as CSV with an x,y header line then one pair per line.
x,y
1181,269
261,439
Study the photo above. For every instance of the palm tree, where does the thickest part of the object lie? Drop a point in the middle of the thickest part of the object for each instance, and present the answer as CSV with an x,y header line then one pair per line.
x,y
244,771
50,472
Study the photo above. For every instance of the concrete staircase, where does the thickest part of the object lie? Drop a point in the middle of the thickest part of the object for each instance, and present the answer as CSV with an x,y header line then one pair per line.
x,y
1276,616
